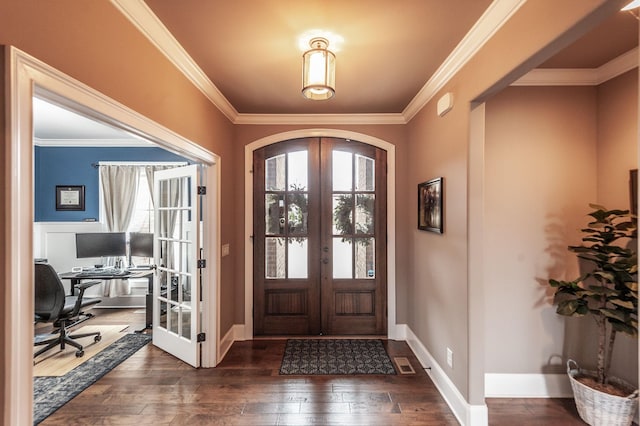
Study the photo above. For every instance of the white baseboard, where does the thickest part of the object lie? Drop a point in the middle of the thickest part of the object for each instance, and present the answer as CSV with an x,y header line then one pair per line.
x,y
498,385
467,414
234,334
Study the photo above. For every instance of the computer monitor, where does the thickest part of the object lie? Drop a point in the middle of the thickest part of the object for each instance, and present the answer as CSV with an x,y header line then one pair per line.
x,y
101,244
141,244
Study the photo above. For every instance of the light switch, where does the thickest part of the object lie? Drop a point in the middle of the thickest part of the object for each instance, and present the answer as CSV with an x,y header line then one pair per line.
x,y
225,250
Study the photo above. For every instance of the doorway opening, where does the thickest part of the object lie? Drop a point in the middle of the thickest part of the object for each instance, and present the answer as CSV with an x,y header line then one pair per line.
x,y
31,77
393,331
320,238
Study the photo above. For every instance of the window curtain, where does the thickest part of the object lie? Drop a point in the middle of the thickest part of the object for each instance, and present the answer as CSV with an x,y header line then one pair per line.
x,y
119,189
170,194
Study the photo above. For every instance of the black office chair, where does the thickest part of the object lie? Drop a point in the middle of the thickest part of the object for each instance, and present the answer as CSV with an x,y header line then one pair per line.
x,y
53,306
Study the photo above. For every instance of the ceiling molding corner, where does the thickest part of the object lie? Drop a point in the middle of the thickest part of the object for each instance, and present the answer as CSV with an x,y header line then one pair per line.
x,y
617,66
558,77
143,18
580,76
491,21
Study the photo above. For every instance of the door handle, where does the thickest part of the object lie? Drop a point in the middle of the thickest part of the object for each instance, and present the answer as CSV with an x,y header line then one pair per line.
x,y
325,249
325,260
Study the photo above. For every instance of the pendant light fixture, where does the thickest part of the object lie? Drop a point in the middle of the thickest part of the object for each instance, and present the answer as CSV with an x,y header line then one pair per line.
x,y
318,71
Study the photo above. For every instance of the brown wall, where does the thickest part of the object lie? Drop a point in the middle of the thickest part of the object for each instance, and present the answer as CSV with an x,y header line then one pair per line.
x,y
617,153
438,274
540,153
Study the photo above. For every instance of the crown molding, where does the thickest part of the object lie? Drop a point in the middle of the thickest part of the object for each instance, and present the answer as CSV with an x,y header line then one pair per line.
x,y
315,119
491,20
93,143
143,18
580,76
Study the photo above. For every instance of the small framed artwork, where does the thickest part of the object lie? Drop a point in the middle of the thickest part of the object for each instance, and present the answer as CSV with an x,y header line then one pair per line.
x,y
69,197
430,197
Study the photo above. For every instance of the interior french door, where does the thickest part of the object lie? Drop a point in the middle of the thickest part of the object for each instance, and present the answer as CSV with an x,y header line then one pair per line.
x,y
319,238
176,288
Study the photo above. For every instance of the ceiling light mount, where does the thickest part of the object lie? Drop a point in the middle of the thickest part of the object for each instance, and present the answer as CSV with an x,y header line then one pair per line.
x,y
318,70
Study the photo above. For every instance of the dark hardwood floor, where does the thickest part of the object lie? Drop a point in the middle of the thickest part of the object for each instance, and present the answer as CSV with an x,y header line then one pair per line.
x,y
152,387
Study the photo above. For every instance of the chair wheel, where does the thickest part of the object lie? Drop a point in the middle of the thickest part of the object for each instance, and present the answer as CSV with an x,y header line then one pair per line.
x,y
79,354
97,338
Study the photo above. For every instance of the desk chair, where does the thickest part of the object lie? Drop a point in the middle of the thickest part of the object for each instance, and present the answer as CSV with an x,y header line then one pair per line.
x,y
52,306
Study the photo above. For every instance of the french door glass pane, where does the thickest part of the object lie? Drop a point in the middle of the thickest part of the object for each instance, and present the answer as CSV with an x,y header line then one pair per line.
x,y
342,214
342,258
274,214
297,171
297,208
275,257
275,173
342,173
365,257
297,262
364,213
365,173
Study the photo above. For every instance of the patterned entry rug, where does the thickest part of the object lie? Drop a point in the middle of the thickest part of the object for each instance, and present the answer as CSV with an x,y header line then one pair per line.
x,y
51,393
335,356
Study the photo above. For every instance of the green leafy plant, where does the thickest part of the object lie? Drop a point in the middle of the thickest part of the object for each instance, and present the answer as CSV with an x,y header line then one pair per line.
x,y
609,292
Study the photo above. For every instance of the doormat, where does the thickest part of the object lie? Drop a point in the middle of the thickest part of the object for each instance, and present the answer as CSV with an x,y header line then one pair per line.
x,y
51,393
335,356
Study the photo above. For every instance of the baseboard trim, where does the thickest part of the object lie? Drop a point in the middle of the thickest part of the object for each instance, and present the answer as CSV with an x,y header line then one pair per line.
x,y
467,414
498,385
235,333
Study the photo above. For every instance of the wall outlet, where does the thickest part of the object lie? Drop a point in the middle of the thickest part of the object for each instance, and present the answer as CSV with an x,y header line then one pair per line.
x,y
449,357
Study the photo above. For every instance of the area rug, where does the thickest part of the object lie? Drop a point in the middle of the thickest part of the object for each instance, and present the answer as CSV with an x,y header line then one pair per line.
x,y
58,362
335,356
51,393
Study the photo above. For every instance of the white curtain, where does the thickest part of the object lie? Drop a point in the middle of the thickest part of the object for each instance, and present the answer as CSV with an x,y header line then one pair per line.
x,y
119,189
170,193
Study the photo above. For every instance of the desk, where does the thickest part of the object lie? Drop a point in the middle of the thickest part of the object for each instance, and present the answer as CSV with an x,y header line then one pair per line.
x,y
76,277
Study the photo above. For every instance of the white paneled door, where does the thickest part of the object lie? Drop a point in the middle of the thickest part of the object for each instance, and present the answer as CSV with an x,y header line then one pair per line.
x,y
176,289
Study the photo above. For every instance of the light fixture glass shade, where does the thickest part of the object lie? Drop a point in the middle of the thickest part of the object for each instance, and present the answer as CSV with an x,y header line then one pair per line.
x,y
632,5
318,71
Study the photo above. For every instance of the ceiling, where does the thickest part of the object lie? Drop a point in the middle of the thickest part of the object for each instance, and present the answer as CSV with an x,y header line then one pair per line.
x,y
387,51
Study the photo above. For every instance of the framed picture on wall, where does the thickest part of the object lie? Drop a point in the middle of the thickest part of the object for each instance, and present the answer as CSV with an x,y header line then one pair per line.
x,y
430,197
70,197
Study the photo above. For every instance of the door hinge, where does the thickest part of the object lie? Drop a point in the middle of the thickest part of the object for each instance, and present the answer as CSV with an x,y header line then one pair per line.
x,y
201,337
202,263
202,190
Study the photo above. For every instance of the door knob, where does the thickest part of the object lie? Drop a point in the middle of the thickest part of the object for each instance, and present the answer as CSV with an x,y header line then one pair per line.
x,y
325,260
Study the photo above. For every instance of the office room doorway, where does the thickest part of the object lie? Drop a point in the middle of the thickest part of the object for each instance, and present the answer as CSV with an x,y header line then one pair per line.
x,y
29,77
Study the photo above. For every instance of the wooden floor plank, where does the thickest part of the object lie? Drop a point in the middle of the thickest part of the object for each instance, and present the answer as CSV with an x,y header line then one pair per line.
x,y
152,387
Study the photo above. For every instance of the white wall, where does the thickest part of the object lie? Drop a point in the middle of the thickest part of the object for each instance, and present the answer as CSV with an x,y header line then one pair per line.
x,y
55,241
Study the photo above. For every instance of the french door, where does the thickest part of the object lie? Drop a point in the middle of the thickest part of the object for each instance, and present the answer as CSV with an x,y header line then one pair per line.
x,y
319,238
176,287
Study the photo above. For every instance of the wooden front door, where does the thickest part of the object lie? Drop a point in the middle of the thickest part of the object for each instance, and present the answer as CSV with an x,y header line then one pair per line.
x,y
319,238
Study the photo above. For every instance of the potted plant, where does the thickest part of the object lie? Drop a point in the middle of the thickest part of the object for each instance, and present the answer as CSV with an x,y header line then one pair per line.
x,y
609,294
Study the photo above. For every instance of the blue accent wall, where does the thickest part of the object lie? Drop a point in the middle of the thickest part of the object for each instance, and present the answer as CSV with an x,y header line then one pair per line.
x,y
72,166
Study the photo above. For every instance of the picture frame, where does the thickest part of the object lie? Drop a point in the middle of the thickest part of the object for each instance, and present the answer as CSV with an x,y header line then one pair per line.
x,y
430,202
70,197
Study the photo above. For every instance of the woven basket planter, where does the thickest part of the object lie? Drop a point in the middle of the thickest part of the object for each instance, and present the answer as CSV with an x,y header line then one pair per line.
x,y
599,408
